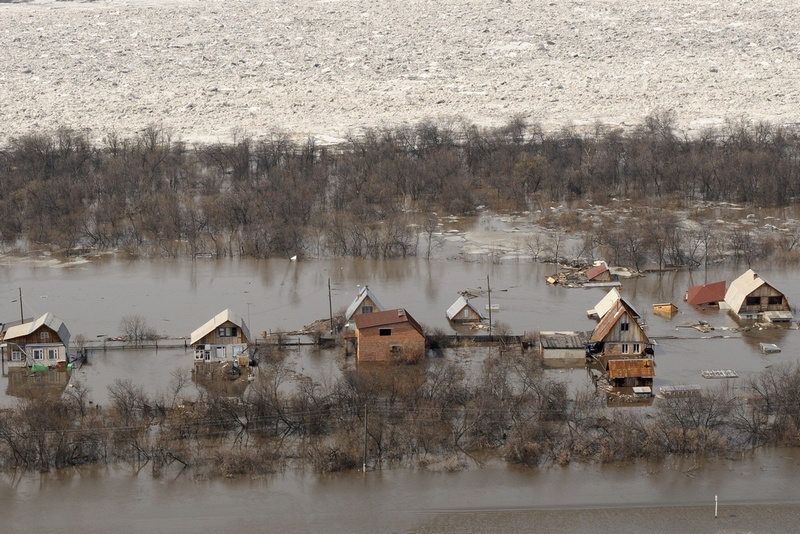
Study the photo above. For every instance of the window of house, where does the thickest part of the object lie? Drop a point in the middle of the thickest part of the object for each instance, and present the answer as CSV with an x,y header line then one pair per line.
x,y
44,335
774,301
16,356
637,348
367,309
753,301
227,331
38,354
395,348
624,325
52,354
385,332
624,348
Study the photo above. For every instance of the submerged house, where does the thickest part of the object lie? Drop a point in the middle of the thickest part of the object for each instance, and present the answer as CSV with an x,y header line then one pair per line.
x,y
752,297
706,294
389,336
620,349
224,338
44,341
463,312
365,302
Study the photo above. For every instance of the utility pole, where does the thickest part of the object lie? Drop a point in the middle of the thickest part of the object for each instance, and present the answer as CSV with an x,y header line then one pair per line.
x,y
364,466
21,314
489,291
330,304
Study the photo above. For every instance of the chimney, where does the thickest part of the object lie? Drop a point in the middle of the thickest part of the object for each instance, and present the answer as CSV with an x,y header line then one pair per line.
x,y
401,312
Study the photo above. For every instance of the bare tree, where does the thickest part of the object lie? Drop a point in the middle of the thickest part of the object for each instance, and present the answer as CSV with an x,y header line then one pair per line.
x,y
135,329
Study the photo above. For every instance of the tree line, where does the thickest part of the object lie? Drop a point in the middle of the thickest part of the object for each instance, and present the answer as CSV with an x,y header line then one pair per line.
x,y
440,416
374,195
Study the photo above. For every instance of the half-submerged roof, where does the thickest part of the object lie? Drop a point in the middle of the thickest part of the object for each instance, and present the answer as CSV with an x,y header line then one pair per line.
x,y
218,320
386,318
706,294
363,294
460,304
48,319
597,270
631,368
742,287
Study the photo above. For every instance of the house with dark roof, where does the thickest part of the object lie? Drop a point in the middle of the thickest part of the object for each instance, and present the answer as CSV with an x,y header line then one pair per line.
x,y
389,336
706,294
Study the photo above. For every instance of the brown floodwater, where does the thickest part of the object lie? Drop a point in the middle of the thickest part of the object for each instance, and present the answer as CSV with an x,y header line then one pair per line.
x,y
757,494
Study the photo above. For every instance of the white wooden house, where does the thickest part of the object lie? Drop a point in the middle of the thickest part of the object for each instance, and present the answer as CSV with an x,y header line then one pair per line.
x,y
752,297
463,312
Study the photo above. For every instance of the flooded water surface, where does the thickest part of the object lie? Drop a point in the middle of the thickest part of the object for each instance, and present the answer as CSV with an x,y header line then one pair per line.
x,y
758,494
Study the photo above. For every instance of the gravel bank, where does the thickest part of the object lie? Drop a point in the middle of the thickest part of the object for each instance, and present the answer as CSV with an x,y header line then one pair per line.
x,y
212,70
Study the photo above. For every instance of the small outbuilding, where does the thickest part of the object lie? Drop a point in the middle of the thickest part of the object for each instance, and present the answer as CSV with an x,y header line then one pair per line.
x,y
41,342
752,297
463,312
563,349
224,338
599,273
389,336
706,294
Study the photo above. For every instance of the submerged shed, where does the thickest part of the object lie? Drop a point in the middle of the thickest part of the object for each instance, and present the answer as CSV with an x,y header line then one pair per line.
x,y
463,312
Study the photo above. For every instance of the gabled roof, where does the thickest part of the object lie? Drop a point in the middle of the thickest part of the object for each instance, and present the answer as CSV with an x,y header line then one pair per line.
x,y
596,271
706,294
459,305
363,293
564,340
220,319
386,318
611,318
742,287
48,319
607,302
632,368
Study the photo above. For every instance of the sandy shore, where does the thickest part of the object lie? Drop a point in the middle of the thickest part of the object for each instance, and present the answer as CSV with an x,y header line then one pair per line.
x,y
218,69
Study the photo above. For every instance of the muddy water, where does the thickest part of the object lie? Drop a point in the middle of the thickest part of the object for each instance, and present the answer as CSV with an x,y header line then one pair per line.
x,y
760,493
755,495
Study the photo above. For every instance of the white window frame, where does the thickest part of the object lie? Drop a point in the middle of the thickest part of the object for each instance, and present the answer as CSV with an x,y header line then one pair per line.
x,y
624,348
52,354
44,334
38,354
16,355
637,348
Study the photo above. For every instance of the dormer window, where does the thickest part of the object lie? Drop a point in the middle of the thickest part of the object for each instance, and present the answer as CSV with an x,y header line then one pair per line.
x,y
44,335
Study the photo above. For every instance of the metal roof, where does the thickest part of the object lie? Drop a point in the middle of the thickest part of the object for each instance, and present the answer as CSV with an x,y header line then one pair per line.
x,y
459,305
638,368
742,287
363,293
607,302
49,320
563,340
386,318
706,294
220,319
596,271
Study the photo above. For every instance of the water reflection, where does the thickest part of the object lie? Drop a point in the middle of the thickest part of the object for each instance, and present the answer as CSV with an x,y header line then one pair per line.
x,y
26,384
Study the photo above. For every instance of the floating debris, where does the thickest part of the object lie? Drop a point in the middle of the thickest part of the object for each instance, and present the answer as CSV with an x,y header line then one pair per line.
x,y
719,373
769,348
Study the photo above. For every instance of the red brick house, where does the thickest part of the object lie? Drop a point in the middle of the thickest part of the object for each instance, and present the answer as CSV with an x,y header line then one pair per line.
x,y
389,336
